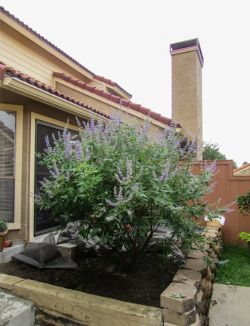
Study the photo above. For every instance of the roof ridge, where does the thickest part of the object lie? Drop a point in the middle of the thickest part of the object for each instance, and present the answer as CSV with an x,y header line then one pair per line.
x,y
111,83
42,38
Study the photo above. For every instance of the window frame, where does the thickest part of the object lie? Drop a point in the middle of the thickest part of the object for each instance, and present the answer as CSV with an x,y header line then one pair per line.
x,y
18,109
54,123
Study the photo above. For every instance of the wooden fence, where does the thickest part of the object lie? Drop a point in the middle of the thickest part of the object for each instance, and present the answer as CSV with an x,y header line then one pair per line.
x,y
228,187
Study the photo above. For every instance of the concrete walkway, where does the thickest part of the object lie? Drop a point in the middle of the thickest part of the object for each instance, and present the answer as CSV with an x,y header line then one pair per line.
x,y
230,306
15,311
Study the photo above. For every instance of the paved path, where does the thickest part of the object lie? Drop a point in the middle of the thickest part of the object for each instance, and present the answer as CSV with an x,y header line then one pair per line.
x,y
15,311
230,306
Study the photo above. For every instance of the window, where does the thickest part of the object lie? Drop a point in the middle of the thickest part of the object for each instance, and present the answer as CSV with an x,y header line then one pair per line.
x,y
7,164
43,220
10,163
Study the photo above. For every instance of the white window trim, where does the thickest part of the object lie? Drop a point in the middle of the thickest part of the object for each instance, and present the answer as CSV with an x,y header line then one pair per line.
x,y
18,109
38,117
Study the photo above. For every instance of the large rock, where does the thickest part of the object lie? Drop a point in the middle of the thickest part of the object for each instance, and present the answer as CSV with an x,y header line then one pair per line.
x,y
207,288
196,254
196,323
199,265
180,319
179,297
188,276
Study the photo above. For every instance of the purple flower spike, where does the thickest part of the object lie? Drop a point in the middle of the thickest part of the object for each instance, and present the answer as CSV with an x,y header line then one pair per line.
x,y
47,141
210,168
67,144
78,150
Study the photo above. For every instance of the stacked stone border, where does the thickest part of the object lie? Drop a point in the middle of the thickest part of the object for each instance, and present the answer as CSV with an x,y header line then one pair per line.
x,y
184,302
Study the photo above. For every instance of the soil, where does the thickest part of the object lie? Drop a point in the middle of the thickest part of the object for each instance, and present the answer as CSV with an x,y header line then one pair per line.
x,y
100,275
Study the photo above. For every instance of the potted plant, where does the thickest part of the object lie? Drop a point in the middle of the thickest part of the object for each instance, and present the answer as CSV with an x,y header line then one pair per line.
x,y
3,232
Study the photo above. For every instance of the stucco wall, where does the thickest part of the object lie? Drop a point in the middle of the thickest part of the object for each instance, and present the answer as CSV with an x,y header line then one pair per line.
x,y
187,94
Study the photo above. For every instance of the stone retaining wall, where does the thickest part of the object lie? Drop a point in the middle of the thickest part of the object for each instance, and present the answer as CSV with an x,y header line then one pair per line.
x,y
186,300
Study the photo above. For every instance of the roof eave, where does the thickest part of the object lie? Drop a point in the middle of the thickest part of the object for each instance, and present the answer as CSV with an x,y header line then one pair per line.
x,y
18,86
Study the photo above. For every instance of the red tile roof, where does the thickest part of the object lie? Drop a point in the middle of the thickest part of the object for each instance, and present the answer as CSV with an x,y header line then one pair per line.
x,y
243,167
114,98
32,81
97,77
111,83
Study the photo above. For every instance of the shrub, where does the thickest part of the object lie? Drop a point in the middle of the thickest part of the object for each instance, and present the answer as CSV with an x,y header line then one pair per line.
x,y
121,186
244,203
244,236
3,225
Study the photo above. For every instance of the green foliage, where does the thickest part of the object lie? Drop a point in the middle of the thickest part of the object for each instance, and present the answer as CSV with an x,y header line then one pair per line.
x,y
121,186
245,236
236,269
244,203
212,152
3,225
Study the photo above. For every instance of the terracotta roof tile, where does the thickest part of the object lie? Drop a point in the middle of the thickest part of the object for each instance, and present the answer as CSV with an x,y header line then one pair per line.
x,y
114,98
243,167
111,83
43,39
26,78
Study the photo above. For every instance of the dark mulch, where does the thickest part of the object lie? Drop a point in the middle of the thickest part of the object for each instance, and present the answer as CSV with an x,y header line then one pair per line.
x,y
99,276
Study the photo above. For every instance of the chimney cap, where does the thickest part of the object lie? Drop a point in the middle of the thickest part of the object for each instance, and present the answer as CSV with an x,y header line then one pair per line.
x,y
186,46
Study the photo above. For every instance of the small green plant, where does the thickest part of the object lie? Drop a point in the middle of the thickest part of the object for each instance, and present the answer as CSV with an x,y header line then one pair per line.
x,y
244,236
3,225
244,203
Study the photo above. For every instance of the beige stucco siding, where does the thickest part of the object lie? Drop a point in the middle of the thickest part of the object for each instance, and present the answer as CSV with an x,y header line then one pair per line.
x,y
187,95
20,53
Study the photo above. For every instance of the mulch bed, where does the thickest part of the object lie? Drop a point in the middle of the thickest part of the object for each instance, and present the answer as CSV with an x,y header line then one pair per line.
x,y
99,275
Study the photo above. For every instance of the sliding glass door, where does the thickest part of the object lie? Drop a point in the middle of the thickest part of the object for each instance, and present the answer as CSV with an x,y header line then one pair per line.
x,y
43,220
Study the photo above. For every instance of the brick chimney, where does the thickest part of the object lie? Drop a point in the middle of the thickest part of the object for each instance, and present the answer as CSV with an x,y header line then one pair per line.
x,y
187,63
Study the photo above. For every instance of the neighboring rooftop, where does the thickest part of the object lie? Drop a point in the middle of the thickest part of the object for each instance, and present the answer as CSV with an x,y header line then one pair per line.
x,y
242,170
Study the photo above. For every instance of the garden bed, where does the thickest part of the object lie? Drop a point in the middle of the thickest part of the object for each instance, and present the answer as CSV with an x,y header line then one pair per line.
x,y
184,302
99,276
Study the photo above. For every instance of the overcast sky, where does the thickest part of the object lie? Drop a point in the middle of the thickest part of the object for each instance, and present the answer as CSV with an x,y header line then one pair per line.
x,y
128,42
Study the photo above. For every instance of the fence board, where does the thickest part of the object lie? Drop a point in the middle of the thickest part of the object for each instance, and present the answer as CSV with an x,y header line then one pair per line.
x,y
228,187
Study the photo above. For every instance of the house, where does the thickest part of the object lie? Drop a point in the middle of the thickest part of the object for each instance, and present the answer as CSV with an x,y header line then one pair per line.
x,y
41,87
242,170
